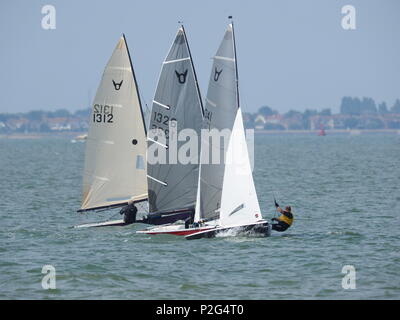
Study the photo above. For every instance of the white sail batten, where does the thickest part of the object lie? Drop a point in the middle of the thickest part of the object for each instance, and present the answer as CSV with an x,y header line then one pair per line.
x,y
239,202
115,157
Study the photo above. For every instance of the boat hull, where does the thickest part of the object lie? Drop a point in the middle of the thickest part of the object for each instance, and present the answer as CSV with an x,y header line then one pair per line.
x,y
262,228
167,218
176,230
257,229
112,223
153,219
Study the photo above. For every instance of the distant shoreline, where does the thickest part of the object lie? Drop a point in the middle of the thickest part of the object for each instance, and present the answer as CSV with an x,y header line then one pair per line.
x,y
330,131
73,135
41,135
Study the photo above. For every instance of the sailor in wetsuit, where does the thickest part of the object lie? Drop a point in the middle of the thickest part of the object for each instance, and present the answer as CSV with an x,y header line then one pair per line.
x,y
284,221
129,213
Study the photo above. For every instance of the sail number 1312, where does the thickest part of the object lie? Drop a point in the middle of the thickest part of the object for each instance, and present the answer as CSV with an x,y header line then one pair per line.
x,y
103,113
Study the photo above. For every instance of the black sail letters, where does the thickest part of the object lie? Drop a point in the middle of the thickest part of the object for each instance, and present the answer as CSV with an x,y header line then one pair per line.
x,y
181,76
103,113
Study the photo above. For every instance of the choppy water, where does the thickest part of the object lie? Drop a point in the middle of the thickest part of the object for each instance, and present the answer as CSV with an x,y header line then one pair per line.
x,y
344,191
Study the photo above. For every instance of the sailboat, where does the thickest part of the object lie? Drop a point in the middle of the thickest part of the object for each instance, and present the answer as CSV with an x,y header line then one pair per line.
x,y
321,132
177,106
115,156
226,199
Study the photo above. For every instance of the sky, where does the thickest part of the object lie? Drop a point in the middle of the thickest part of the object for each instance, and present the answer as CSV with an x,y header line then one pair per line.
x,y
292,54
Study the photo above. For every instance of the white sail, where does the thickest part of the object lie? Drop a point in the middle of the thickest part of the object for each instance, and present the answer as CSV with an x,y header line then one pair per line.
x,y
115,158
239,202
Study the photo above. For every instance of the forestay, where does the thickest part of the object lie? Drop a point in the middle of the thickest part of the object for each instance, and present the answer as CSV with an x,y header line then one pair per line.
x,y
115,158
172,185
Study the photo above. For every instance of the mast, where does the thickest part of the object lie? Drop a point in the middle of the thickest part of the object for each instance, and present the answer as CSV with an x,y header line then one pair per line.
x,y
194,71
136,85
236,67
197,206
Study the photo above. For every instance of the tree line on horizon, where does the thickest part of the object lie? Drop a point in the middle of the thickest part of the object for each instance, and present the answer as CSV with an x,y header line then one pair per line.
x,y
39,115
357,114
349,106
353,108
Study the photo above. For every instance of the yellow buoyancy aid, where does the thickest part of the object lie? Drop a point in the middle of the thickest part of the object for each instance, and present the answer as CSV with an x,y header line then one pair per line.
x,y
286,219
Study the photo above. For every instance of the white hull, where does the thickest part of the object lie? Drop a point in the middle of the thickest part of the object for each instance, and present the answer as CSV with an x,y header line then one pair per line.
x,y
260,228
211,229
175,229
112,223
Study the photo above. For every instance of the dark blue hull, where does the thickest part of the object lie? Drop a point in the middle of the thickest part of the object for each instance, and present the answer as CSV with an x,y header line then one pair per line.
x,y
167,217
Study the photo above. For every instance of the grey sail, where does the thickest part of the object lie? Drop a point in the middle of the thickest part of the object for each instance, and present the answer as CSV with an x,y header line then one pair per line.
x,y
176,106
220,112
115,157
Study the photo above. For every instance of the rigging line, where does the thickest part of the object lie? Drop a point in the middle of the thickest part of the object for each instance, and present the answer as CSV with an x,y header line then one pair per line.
x,y
236,65
194,72
113,215
276,209
143,207
136,84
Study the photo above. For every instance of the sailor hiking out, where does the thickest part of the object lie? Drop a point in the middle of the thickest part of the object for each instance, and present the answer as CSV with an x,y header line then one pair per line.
x,y
284,221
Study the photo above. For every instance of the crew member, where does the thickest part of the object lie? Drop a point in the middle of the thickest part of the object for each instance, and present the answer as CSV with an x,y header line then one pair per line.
x,y
284,221
129,213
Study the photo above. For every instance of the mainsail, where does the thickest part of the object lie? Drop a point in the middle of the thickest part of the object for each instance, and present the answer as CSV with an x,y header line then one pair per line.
x,y
115,157
177,105
221,106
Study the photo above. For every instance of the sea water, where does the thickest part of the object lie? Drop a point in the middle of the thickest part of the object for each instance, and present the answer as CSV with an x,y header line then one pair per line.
x,y
344,193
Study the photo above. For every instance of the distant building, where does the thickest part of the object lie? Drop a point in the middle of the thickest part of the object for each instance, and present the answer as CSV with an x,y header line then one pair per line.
x,y
259,122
